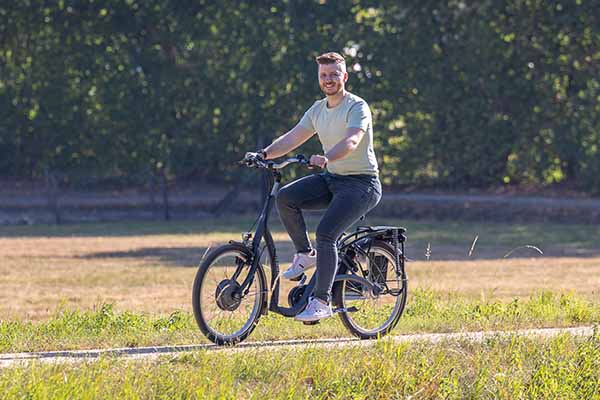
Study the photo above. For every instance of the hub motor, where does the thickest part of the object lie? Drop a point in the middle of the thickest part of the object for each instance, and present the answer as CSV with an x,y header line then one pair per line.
x,y
228,295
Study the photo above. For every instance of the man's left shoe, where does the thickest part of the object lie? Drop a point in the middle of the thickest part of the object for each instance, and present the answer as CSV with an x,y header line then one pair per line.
x,y
314,311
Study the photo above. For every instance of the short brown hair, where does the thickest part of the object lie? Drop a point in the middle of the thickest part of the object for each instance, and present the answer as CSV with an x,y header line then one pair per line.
x,y
330,58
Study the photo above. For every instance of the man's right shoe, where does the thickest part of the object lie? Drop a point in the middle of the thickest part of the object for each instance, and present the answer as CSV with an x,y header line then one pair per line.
x,y
301,263
314,311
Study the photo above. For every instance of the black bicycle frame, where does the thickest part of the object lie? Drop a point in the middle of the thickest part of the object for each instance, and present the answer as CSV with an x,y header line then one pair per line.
x,y
262,231
393,235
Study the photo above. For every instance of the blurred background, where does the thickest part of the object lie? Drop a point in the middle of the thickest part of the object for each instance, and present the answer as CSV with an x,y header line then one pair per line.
x,y
146,104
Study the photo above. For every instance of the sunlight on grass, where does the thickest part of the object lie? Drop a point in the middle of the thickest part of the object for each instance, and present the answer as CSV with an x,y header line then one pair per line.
x,y
427,311
565,367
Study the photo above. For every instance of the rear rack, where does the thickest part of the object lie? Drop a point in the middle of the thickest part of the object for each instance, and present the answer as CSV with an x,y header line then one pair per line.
x,y
388,233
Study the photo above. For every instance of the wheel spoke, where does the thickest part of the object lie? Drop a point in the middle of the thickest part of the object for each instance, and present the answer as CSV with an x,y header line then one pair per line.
x,y
375,313
219,311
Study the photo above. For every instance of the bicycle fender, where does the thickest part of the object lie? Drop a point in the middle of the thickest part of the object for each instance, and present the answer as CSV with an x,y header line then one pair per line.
x,y
348,277
242,247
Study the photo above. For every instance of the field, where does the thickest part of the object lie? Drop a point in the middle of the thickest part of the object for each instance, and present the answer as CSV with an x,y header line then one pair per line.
x,y
129,284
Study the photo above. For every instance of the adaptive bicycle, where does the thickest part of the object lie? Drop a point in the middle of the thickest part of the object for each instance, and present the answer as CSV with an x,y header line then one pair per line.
x,y
231,290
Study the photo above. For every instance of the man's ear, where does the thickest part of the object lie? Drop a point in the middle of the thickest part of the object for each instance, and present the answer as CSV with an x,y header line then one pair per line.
x,y
345,76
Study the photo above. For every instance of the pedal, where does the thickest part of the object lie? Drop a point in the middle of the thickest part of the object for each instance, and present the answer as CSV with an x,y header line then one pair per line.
x,y
346,310
310,322
298,278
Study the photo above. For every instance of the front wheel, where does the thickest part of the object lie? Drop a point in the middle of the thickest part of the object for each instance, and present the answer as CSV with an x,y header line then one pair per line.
x,y
369,315
225,313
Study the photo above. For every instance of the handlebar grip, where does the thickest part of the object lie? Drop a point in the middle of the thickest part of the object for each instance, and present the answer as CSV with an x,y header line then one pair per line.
x,y
302,159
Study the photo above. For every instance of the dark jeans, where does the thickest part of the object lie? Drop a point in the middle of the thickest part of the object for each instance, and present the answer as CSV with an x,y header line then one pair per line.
x,y
346,198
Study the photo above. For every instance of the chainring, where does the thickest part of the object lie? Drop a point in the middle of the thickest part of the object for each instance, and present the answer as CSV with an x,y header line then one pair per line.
x,y
295,295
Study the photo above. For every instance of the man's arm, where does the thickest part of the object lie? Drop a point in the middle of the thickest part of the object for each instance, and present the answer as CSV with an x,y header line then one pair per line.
x,y
346,145
359,119
288,142
341,149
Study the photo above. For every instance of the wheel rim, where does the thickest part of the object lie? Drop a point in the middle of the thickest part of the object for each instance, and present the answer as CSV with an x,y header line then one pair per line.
x,y
224,315
374,313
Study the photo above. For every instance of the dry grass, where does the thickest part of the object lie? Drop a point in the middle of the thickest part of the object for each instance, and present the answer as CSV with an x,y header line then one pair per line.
x,y
154,272
507,278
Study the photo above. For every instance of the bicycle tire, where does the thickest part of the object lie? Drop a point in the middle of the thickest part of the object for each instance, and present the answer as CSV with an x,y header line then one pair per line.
x,y
339,295
200,283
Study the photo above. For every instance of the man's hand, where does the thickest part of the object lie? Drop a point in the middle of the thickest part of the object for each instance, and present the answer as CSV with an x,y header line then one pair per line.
x,y
318,161
251,158
252,155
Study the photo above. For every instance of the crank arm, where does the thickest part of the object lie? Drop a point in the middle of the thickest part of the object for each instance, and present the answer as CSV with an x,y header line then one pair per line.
x,y
344,309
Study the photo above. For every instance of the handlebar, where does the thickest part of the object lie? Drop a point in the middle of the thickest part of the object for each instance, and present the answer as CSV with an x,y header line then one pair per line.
x,y
255,161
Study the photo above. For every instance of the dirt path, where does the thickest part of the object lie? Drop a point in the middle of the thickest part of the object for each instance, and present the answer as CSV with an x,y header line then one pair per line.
x,y
72,356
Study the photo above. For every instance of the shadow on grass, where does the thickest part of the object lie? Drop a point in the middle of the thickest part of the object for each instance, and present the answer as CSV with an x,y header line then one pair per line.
x,y
425,251
179,256
191,256
168,256
447,240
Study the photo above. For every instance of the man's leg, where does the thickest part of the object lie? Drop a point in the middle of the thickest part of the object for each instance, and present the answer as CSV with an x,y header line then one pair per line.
x,y
350,201
310,192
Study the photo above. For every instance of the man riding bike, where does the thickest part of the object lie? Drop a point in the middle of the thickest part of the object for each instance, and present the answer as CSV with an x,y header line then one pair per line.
x,y
348,188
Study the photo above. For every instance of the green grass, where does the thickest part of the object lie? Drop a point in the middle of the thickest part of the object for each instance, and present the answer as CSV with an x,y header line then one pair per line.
x,y
234,224
552,237
426,311
564,367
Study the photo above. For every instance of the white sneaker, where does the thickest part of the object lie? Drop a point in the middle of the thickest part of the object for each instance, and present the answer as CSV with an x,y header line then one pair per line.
x,y
314,311
301,263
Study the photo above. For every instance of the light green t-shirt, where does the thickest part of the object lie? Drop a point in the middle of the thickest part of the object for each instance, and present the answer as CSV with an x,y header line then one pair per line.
x,y
331,125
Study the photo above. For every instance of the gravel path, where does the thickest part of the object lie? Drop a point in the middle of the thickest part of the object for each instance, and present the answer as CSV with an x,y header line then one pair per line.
x,y
71,356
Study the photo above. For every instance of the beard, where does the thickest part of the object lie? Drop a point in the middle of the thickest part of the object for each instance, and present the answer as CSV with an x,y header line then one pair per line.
x,y
331,90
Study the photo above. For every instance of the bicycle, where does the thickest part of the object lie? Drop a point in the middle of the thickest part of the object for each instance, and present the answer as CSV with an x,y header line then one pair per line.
x,y
230,291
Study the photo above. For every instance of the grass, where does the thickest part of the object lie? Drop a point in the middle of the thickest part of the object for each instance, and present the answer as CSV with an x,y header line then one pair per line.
x,y
499,368
129,284
576,239
149,266
426,311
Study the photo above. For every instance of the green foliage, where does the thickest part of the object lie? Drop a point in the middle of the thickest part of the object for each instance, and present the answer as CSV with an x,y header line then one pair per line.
x,y
513,367
463,93
426,311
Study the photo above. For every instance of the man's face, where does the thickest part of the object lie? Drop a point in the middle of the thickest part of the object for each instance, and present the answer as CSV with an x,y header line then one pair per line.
x,y
332,78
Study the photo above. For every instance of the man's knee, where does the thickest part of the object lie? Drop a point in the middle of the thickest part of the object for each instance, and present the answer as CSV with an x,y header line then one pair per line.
x,y
325,235
284,199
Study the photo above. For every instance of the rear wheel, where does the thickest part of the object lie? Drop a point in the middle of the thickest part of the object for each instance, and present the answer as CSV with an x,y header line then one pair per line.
x,y
372,315
225,313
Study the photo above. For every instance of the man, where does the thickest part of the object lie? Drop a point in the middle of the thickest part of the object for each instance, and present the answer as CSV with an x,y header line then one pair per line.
x,y
348,188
